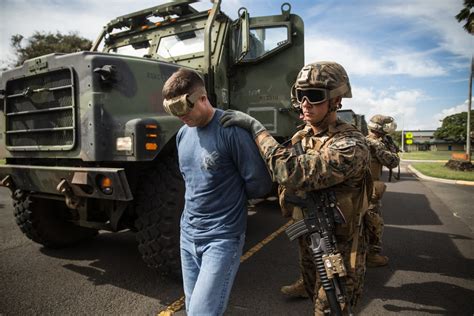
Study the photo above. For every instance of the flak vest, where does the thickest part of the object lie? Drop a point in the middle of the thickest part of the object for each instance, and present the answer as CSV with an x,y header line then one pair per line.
x,y
353,201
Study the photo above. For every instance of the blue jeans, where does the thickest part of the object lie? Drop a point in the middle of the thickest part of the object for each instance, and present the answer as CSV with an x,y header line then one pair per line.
x,y
209,269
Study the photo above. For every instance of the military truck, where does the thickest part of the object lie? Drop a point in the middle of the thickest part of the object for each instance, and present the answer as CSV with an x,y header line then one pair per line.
x,y
87,143
357,120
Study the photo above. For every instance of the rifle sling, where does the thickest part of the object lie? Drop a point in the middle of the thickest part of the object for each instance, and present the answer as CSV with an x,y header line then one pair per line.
x,y
362,208
355,244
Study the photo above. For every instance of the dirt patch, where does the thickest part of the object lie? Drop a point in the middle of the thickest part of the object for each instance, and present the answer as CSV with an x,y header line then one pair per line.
x,y
459,165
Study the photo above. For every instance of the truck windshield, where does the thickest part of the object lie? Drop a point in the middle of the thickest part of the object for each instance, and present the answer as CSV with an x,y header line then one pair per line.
x,y
184,43
263,40
139,49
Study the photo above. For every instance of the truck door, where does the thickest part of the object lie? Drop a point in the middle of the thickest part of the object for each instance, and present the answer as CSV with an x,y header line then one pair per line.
x,y
267,53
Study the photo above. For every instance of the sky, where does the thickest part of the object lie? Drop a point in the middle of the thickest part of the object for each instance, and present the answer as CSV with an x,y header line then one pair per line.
x,y
408,59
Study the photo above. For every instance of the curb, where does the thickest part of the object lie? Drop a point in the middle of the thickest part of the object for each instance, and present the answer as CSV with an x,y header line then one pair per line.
x,y
419,160
422,176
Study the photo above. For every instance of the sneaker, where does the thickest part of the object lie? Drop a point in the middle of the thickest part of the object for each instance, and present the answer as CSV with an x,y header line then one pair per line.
x,y
376,260
295,290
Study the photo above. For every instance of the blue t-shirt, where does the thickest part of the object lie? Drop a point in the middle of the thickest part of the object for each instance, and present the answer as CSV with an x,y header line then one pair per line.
x,y
222,168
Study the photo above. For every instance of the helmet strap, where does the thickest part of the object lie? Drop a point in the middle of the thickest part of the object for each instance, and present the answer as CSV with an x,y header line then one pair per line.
x,y
323,123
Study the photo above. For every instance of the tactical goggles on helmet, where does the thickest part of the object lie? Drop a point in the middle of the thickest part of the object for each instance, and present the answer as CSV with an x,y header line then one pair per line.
x,y
312,95
386,127
389,127
183,104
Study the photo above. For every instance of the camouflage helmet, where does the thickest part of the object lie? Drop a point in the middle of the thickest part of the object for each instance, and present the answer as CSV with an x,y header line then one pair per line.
x,y
382,124
324,74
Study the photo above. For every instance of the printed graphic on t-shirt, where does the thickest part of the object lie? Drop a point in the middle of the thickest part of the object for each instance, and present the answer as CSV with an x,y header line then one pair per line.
x,y
209,160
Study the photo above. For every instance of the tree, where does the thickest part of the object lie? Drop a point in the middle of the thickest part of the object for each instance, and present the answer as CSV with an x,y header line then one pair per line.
x,y
466,16
41,43
454,127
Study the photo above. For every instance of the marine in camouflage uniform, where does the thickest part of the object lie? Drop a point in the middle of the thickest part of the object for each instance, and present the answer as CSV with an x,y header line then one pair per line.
x,y
383,153
336,156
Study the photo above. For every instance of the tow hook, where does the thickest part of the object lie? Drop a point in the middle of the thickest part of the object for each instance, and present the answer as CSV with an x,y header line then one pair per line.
x,y
8,183
72,201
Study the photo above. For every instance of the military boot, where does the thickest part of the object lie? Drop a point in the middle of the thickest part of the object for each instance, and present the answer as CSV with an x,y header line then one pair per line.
x,y
296,289
376,260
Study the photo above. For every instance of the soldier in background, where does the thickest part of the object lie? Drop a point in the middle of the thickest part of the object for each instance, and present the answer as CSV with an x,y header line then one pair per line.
x,y
383,152
335,156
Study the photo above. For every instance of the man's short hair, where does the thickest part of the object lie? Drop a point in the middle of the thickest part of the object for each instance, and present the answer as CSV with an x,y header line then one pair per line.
x,y
183,81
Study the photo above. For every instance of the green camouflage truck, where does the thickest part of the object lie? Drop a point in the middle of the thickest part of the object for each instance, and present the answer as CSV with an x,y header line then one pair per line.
x,y
357,120
87,144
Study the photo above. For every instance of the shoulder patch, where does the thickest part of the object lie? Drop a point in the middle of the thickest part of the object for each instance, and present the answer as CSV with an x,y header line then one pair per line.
x,y
343,144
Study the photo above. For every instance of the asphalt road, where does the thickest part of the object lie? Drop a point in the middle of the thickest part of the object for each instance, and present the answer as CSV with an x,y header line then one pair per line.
x,y
428,237
431,251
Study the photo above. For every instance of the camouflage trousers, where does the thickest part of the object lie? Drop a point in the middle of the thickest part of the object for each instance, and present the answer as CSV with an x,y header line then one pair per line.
x,y
373,222
354,279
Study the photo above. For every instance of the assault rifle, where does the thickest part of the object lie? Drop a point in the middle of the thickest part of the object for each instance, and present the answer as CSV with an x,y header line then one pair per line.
x,y
388,141
322,214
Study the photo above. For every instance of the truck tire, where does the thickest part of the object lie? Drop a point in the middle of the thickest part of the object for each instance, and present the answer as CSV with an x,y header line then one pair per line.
x,y
45,221
159,204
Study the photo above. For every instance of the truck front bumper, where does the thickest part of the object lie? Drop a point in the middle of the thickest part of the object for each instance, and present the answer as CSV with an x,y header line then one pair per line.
x,y
81,182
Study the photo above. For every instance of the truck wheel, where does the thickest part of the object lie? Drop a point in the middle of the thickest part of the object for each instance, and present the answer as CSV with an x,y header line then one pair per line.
x,y
46,222
159,204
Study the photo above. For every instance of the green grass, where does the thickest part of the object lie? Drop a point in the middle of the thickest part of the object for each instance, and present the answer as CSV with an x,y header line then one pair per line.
x,y
428,155
438,170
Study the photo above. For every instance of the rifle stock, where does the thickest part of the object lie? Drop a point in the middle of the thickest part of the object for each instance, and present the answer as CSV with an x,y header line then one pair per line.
x,y
388,141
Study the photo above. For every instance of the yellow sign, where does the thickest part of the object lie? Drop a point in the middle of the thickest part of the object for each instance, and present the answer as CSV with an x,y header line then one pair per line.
x,y
409,141
409,135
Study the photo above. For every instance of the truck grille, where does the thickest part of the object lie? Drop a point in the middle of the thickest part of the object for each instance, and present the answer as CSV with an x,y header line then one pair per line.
x,y
40,112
